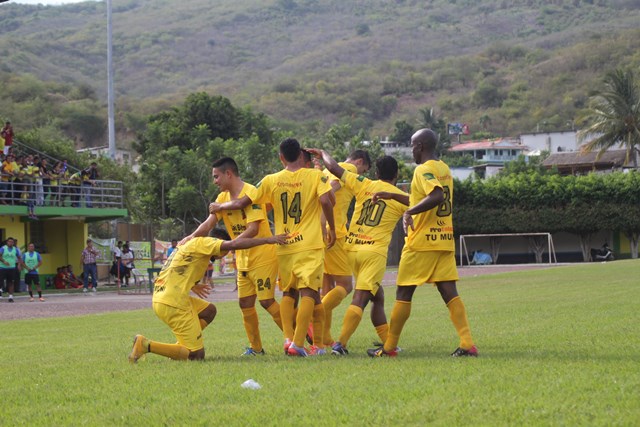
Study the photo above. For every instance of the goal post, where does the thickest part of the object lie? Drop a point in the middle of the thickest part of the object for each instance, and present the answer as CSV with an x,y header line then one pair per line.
x,y
464,251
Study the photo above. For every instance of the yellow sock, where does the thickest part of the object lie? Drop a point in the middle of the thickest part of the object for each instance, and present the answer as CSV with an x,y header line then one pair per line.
x,y
383,331
203,324
274,311
458,315
305,313
174,351
251,326
286,316
318,325
399,315
352,318
330,301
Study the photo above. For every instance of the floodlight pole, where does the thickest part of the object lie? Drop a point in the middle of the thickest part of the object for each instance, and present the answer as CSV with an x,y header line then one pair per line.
x,y
110,96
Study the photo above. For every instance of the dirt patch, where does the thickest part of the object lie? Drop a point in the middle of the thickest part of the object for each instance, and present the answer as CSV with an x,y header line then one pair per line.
x,y
60,305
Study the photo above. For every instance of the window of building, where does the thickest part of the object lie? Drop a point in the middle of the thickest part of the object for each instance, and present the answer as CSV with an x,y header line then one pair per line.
x,y
37,236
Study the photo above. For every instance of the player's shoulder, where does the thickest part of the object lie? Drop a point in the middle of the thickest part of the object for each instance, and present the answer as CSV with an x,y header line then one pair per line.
x,y
223,197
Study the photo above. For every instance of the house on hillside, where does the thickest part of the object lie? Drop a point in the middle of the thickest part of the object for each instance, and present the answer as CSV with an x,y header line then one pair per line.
x,y
491,154
553,142
122,157
578,163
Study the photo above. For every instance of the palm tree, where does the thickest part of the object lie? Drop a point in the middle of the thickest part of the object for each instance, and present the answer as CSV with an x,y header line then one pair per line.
x,y
613,117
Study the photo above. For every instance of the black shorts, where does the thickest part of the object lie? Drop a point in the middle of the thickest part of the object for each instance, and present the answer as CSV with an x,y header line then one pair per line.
x,y
32,279
8,274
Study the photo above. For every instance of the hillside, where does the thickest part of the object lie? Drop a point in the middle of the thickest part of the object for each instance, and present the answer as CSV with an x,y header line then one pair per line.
x,y
311,63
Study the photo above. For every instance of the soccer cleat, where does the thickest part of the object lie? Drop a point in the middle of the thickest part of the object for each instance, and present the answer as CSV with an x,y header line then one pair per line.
x,y
294,350
138,350
85,290
310,334
95,290
41,299
339,350
461,352
31,299
379,352
251,352
287,344
10,298
378,344
317,351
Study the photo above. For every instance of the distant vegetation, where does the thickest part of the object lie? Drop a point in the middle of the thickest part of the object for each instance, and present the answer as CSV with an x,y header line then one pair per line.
x,y
503,67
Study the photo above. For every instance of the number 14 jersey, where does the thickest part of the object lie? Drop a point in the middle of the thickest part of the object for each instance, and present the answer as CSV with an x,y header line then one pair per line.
x,y
296,208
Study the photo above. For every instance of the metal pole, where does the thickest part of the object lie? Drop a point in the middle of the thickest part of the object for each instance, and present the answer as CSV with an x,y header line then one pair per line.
x,y
110,96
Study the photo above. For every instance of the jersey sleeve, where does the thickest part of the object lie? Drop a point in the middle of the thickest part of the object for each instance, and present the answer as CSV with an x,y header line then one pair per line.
x,y
259,194
220,199
208,246
324,185
254,212
427,180
353,182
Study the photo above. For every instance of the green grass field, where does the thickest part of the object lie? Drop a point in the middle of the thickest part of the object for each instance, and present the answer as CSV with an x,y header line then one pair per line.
x,y
558,347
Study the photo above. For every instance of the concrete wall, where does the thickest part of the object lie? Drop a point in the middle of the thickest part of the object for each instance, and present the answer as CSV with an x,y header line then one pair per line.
x,y
553,142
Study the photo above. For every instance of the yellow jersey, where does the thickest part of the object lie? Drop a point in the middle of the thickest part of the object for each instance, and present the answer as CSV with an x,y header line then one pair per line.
x,y
372,224
343,200
184,268
296,206
433,229
236,223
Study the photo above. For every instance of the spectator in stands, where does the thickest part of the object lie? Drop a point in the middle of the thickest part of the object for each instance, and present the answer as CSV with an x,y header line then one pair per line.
x,y
89,178
10,261
55,186
6,182
31,262
28,172
45,176
127,263
7,134
75,180
88,260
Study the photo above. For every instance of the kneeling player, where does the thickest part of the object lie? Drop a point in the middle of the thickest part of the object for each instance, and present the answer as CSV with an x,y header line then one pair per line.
x,y
185,315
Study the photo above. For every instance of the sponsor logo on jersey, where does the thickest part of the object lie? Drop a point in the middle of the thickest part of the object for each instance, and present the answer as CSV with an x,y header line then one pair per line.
x,y
429,175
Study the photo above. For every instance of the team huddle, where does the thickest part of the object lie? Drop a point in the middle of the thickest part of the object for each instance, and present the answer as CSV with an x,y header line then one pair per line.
x,y
314,256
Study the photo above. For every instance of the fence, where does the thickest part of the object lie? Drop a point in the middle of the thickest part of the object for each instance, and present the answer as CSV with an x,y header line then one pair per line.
x,y
103,194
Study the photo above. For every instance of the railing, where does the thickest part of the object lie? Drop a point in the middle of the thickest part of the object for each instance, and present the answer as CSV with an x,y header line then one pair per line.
x,y
103,194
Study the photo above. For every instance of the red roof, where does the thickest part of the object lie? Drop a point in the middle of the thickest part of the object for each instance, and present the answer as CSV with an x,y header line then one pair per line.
x,y
501,143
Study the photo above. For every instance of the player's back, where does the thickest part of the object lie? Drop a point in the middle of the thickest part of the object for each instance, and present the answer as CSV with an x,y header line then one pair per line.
x,y
433,229
296,207
343,200
372,224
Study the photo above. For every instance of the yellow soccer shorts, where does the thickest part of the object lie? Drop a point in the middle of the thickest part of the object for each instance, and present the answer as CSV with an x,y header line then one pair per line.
x,y
184,323
418,268
336,259
368,269
301,270
260,280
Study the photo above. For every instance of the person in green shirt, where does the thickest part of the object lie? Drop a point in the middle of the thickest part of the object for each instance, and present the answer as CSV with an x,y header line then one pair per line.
x,y
31,262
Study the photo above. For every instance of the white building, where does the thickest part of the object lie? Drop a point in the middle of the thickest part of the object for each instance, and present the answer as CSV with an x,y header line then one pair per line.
x,y
553,142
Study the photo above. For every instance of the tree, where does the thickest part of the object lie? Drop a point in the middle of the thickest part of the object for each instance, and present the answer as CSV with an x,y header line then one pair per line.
x,y
402,132
613,117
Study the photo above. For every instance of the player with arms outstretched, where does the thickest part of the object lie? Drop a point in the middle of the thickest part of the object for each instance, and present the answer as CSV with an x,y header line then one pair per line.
x,y
298,196
428,255
185,315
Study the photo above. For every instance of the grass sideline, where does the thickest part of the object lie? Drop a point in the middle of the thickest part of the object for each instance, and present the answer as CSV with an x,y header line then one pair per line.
x,y
558,347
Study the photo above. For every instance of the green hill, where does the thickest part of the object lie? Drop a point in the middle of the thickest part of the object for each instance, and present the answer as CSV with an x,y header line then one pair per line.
x,y
521,65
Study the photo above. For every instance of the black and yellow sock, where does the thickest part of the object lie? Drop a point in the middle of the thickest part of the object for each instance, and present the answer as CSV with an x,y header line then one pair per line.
x,y
274,311
287,316
173,351
399,315
252,327
305,314
352,318
318,325
458,315
330,301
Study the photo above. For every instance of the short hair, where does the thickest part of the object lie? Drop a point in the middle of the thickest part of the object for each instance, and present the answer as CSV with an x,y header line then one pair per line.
x,y
290,149
307,156
360,154
88,240
220,233
225,164
387,168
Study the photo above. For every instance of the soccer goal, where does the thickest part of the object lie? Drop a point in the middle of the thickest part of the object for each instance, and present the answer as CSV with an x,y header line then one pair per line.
x,y
537,242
